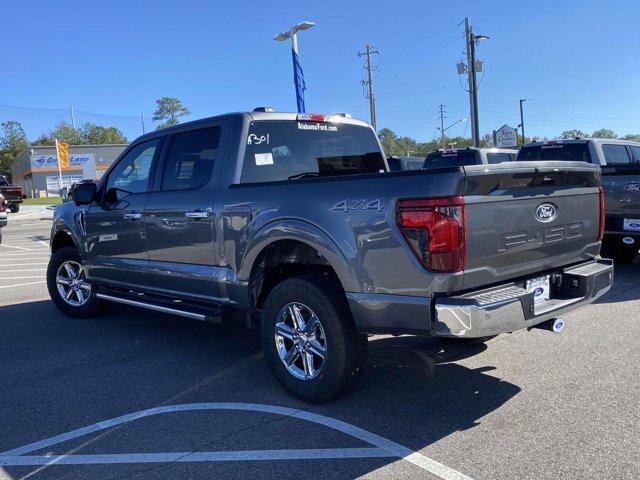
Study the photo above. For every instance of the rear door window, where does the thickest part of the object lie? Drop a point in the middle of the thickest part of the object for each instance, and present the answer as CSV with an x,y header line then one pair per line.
x,y
451,158
635,152
616,154
292,150
190,159
499,157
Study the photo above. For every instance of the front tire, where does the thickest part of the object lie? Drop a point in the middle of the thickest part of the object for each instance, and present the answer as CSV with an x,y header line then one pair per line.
x,y
67,285
14,208
309,339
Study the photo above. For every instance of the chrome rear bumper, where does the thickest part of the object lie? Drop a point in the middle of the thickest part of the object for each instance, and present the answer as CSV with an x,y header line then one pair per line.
x,y
509,308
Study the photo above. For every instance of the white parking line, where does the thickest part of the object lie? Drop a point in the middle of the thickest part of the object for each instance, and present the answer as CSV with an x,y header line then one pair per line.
x,y
23,270
21,264
22,284
230,456
392,449
9,246
21,278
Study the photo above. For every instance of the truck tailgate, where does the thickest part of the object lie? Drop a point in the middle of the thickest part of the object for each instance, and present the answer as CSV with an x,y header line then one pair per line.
x,y
528,217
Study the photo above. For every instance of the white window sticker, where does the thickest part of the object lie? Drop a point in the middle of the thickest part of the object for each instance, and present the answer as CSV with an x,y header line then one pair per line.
x,y
264,158
254,139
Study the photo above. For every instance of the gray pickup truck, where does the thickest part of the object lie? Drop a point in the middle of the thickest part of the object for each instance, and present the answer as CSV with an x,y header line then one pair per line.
x,y
293,223
620,164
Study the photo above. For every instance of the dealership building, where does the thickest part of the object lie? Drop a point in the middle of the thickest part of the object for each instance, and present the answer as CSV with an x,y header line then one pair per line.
x,y
36,169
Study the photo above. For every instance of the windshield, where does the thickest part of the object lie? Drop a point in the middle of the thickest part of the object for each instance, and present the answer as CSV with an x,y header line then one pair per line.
x,y
455,158
286,150
564,152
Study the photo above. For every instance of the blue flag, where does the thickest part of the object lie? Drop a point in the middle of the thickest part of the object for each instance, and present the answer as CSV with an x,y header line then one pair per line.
x,y
298,80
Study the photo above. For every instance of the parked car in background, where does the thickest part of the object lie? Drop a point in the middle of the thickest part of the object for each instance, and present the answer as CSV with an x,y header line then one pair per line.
x,y
620,164
398,164
13,195
3,215
292,222
457,157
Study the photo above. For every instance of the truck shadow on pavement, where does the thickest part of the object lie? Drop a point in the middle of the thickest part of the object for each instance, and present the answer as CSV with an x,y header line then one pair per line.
x,y
66,373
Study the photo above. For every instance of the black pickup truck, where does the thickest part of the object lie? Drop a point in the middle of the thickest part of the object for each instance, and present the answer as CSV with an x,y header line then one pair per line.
x,y
13,195
620,164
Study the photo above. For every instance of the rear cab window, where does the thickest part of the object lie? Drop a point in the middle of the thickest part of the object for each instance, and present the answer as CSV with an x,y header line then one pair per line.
x,y
616,154
499,157
281,150
555,151
451,158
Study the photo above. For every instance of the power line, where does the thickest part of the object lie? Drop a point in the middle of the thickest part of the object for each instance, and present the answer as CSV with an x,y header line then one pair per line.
x,y
416,94
415,39
425,51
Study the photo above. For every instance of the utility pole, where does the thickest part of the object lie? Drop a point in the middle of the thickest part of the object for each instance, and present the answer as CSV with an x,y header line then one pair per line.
x,y
142,120
442,117
473,86
522,100
73,119
369,83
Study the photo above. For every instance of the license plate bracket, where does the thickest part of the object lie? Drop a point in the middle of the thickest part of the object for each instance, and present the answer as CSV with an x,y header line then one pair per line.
x,y
541,289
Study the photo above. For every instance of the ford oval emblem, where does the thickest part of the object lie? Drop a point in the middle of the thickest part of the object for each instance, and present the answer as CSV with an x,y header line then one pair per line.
x,y
546,212
538,291
632,187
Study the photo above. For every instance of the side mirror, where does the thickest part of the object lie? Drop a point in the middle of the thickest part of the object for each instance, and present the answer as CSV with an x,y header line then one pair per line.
x,y
84,193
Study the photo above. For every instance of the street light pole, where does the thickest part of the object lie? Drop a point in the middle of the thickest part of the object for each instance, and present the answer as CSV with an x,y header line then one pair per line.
x,y
298,79
522,100
443,129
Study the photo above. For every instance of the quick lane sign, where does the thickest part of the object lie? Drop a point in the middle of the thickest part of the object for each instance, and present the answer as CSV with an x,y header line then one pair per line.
x,y
76,160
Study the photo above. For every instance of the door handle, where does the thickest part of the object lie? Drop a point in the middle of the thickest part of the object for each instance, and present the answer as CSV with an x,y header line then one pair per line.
x,y
132,216
196,214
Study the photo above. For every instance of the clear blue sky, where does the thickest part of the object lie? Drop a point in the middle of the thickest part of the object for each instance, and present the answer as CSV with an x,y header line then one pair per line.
x,y
577,60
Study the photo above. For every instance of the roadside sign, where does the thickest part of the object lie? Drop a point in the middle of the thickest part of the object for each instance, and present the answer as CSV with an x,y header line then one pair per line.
x,y
506,137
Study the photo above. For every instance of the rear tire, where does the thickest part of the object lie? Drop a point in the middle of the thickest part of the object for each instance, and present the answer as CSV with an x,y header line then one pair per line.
x,y
344,350
14,208
619,251
65,274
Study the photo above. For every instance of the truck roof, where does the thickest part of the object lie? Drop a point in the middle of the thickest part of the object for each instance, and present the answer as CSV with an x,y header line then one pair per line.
x,y
479,149
614,141
260,116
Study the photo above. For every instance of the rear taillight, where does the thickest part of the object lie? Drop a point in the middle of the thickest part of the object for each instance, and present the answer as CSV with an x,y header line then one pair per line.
x,y
602,211
435,229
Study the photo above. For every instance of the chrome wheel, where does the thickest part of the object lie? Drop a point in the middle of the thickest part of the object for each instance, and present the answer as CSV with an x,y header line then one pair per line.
x,y
300,341
71,283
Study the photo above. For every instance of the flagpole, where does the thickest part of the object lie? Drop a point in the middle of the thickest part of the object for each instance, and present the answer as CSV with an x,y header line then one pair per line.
x,y
59,164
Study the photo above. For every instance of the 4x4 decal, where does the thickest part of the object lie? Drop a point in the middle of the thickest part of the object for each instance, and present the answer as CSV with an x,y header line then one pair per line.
x,y
350,205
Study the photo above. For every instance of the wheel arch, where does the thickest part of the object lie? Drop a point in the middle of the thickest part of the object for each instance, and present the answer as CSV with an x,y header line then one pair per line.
x,y
62,237
295,248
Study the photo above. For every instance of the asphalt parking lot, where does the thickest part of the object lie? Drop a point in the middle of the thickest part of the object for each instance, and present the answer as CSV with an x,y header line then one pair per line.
x,y
182,399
